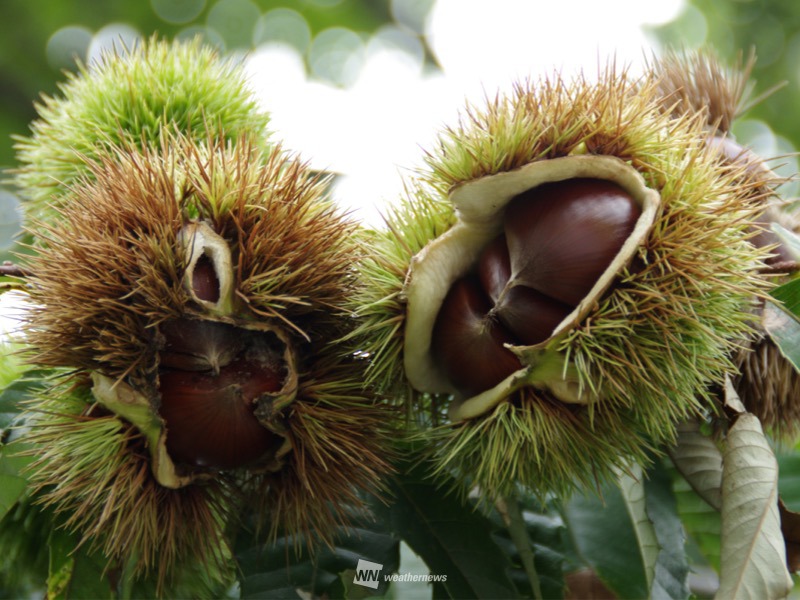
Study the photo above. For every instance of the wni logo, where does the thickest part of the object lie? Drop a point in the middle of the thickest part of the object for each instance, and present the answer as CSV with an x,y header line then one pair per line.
x,y
368,574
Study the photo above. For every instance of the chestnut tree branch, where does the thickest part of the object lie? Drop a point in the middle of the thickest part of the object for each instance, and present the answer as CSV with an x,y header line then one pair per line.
x,y
8,269
782,267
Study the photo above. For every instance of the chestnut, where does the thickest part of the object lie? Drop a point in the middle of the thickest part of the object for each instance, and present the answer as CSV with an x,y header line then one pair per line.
x,y
514,304
494,268
559,238
468,340
198,345
563,235
530,315
211,376
205,283
209,417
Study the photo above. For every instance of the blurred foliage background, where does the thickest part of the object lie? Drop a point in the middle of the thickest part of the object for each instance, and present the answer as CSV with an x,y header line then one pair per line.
x,y
769,27
42,38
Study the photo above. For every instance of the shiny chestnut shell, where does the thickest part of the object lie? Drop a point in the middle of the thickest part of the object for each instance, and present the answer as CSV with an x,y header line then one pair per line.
x,y
470,340
563,235
205,283
212,375
558,239
209,418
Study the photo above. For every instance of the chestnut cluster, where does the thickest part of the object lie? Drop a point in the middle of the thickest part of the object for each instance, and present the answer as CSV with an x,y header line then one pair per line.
x,y
558,238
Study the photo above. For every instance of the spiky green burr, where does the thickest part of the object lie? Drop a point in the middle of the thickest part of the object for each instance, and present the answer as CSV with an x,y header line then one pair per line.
x,y
626,361
189,281
130,96
767,383
196,294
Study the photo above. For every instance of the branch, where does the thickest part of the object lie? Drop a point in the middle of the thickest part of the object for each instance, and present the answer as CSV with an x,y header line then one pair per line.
x,y
9,269
782,267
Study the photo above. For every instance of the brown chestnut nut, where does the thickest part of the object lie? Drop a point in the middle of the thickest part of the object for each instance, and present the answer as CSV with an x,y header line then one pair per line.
x,y
559,239
529,315
563,235
468,341
205,283
197,345
494,268
209,417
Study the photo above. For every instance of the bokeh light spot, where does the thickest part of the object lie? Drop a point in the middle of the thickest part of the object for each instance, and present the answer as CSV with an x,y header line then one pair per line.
x,y
337,55
652,14
234,20
743,12
208,35
786,165
770,40
689,30
285,26
756,135
396,40
411,13
178,11
10,219
68,46
112,38
275,63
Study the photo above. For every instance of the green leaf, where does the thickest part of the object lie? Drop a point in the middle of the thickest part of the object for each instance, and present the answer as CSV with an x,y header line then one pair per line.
x,y
671,571
753,553
453,540
12,399
701,521
11,490
286,569
633,538
698,459
13,483
604,538
784,329
632,487
11,403
789,295
73,572
697,488
789,479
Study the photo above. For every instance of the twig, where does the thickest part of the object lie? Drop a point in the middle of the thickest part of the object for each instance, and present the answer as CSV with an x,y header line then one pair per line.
x,y
782,267
9,269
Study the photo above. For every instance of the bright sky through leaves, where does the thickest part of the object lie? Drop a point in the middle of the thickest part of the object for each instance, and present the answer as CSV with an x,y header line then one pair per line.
x,y
387,107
